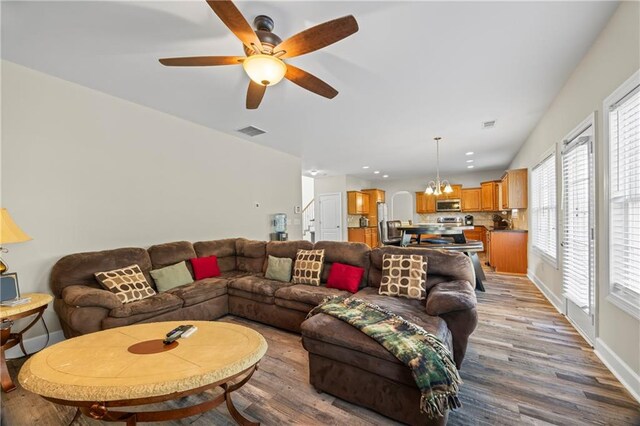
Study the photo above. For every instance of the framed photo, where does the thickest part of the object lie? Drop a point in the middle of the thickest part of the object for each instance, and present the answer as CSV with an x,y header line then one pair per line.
x,y
9,289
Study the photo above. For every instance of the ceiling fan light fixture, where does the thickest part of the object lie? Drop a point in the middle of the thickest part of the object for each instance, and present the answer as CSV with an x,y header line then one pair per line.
x,y
264,69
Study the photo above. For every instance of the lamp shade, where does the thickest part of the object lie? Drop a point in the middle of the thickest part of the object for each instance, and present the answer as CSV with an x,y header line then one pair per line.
x,y
266,70
9,231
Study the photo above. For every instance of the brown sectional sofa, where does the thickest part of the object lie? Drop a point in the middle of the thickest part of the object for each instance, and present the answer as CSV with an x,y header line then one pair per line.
x,y
342,360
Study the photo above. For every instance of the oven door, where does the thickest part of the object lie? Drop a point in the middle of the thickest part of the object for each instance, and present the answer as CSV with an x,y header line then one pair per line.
x,y
448,205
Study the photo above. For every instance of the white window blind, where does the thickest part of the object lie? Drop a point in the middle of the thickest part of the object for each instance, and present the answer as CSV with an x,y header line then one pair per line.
x,y
577,237
543,210
624,214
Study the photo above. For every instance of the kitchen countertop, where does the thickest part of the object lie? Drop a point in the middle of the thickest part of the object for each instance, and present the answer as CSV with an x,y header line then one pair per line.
x,y
508,230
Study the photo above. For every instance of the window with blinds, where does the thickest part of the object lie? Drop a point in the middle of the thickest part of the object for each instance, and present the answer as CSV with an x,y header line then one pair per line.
x,y
577,228
624,197
543,209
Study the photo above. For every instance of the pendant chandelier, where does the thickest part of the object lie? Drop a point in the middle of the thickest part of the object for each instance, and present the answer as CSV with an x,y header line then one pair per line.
x,y
438,187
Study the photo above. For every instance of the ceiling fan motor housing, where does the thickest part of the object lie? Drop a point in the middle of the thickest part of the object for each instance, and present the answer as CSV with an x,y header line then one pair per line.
x,y
264,26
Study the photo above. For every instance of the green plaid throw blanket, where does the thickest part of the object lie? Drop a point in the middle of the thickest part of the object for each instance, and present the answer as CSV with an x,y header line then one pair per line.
x,y
428,358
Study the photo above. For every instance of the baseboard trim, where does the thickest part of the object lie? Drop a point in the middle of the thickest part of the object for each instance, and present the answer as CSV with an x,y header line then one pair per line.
x,y
35,343
629,378
555,300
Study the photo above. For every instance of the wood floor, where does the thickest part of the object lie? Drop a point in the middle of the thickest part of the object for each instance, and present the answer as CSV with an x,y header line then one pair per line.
x,y
525,366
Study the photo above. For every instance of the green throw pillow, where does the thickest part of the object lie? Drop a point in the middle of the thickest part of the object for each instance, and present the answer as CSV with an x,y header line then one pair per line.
x,y
279,269
171,276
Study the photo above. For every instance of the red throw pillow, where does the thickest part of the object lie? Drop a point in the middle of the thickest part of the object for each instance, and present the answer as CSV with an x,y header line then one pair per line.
x,y
205,267
345,277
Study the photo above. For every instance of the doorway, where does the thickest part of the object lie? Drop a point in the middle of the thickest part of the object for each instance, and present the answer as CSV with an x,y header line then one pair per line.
x,y
330,217
578,228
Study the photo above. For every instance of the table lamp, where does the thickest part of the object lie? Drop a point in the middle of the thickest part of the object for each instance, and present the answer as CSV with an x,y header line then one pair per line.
x,y
9,233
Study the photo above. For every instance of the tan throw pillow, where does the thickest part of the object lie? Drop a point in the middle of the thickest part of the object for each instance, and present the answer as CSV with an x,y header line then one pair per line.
x,y
308,267
128,283
404,275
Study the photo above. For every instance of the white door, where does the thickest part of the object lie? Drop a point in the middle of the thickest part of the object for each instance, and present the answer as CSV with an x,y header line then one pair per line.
x,y
578,233
330,217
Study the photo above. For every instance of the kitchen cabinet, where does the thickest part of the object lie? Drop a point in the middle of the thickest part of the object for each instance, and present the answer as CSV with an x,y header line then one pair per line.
x,y
455,195
478,233
471,199
490,193
375,196
357,203
368,235
425,204
508,251
513,188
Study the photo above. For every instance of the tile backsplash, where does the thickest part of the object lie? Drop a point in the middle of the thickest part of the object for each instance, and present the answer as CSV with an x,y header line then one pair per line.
x,y
480,218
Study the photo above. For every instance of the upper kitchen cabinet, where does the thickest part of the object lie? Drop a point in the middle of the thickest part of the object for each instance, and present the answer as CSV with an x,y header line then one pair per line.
x,y
455,195
357,203
471,199
425,204
513,188
490,200
375,196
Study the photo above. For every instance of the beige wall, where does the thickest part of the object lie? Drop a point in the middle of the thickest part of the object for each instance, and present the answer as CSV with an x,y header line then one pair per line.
x,y
612,59
83,170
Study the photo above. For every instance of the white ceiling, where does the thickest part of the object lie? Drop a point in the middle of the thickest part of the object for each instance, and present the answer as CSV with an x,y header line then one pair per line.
x,y
415,70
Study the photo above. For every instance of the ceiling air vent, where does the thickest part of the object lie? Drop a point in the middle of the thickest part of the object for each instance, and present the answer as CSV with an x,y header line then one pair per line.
x,y
489,124
251,131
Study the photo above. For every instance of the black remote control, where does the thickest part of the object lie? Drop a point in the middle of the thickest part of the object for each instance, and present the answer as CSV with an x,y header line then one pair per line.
x,y
181,328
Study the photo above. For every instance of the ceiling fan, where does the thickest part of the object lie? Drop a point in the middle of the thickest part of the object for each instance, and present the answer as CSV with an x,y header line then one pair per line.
x,y
265,51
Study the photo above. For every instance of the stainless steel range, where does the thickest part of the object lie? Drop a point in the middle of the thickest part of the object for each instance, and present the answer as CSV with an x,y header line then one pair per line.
x,y
453,220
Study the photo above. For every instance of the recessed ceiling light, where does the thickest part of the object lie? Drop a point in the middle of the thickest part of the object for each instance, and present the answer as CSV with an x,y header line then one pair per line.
x,y
469,161
313,172
385,176
469,153
470,167
377,172
365,167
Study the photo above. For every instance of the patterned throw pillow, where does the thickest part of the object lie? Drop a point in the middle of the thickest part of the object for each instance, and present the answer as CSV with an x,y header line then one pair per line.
x,y
308,267
404,275
128,283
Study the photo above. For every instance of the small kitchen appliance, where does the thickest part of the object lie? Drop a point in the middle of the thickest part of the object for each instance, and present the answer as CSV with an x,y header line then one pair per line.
x,y
364,222
468,220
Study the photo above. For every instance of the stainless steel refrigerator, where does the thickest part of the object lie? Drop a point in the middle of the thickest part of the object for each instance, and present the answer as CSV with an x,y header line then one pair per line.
x,y
383,216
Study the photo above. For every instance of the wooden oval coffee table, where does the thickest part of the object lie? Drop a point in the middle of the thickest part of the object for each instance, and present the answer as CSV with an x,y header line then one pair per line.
x,y
129,366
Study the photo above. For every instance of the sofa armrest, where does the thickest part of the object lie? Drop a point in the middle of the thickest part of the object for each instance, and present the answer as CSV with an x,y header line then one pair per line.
x,y
83,296
451,296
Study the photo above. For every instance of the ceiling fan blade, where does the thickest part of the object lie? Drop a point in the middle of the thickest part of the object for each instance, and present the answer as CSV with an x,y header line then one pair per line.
x,y
233,19
309,82
202,61
317,37
255,94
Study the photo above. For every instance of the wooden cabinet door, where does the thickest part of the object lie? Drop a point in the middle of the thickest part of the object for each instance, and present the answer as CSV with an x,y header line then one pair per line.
x,y
504,192
421,202
375,196
489,198
517,189
356,235
471,199
488,247
367,237
455,195
430,203
364,204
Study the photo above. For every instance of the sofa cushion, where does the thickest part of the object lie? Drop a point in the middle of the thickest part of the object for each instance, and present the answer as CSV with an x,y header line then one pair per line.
x,y
224,250
279,269
250,255
171,253
128,284
205,267
287,248
79,268
171,276
256,285
161,302
201,290
443,265
231,275
404,275
311,295
308,267
354,254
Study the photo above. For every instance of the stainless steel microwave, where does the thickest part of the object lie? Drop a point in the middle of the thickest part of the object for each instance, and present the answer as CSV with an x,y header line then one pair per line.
x,y
448,205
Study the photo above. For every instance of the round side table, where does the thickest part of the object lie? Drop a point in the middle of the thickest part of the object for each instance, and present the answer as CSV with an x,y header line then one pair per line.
x,y
8,314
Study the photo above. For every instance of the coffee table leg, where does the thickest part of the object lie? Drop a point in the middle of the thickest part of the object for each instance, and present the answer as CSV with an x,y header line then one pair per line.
x,y
243,421
76,416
